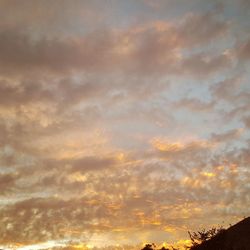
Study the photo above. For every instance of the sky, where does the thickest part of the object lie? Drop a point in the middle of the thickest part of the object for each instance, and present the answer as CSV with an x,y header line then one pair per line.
x,y
122,121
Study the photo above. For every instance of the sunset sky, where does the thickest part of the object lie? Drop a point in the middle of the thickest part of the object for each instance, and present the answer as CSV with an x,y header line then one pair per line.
x,y
122,121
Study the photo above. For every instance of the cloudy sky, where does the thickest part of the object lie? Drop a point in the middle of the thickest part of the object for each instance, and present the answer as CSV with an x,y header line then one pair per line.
x,y
122,121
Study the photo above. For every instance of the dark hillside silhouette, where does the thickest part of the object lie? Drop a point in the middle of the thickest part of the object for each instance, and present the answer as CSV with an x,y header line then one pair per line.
x,y
204,235
237,237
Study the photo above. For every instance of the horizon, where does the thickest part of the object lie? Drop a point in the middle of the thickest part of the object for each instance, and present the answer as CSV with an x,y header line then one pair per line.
x,y
122,122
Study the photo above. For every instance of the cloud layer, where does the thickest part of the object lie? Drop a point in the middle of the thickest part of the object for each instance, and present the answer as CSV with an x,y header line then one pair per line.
x,y
121,123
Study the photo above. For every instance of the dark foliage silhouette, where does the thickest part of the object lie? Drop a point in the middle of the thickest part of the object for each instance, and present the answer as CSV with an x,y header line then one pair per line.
x,y
196,238
149,247
203,235
236,237
153,247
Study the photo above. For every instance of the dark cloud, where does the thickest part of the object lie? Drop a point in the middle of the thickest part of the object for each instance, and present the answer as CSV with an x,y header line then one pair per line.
x,y
243,52
92,164
59,18
19,52
150,49
246,121
7,183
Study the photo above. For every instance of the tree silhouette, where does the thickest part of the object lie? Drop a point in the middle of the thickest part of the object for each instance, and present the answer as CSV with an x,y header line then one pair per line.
x,y
149,247
196,238
153,247
199,237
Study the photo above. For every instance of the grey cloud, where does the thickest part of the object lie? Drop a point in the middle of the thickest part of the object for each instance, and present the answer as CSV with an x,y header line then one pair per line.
x,y
25,92
232,91
19,52
152,50
202,65
227,89
194,104
199,29
57,18
227,136
246,121
243,51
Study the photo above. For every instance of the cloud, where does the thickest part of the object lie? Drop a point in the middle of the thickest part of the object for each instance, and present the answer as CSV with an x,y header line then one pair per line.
x,y
227,136
92,164
247,122
19,52
153,48
129,195
25,92
8,182
180,151
227,89
243,51
59,18
202,65
34,220
201,29
118,129
194,104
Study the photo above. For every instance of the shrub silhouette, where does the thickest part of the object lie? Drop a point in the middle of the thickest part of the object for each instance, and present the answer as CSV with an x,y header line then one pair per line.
x,y
232,238
196,238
